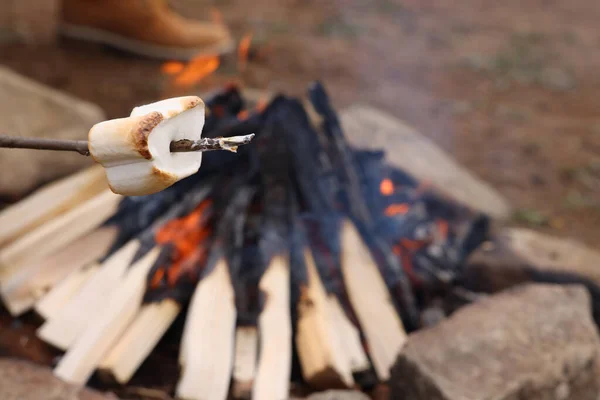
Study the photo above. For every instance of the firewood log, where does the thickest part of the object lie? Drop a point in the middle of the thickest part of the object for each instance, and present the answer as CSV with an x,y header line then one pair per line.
x,y
244,367
325,362
135,151
64,328
371,302
104,330
32,280
139,339
208,339
275,357
51,303
49,201
57,233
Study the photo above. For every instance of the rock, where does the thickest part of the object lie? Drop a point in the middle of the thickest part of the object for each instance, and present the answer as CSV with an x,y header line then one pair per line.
x,y
516,255
530,342
338,395
30,109
22,380
369,128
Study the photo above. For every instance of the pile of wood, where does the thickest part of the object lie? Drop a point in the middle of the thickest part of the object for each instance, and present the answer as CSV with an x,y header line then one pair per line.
x,y
298,248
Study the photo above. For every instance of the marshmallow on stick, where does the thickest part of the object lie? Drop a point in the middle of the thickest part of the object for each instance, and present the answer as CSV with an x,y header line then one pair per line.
x,y
135,151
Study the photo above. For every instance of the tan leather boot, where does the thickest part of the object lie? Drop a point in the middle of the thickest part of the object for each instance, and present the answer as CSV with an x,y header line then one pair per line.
x,y
144,27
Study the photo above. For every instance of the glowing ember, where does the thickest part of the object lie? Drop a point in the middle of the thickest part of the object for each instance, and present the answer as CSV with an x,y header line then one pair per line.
x,y
187,236
386,187
243,51
172,68
396,209
242,115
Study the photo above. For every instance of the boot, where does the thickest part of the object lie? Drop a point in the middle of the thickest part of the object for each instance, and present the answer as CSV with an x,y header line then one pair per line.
x,y
143,27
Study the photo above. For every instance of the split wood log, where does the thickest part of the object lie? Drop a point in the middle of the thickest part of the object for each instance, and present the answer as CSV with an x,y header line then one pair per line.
x,y
208,339
49,201
325,363
139,340
57,233
34,279
244,367
349,336
104,330
275,326
60,295
62,330
370,299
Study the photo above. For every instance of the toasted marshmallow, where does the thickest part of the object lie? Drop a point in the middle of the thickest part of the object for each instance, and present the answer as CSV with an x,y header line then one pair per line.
x,y
135,151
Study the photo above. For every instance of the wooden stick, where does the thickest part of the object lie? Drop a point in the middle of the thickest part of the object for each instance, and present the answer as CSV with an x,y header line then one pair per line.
x,y
275,359
33,280
244,367
140,338
60,295
209,338
104,330
49,201
325,363
66,326
81,146
371,301
57,233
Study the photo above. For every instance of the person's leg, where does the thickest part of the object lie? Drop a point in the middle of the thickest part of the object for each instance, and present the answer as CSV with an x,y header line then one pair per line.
x,y
144,27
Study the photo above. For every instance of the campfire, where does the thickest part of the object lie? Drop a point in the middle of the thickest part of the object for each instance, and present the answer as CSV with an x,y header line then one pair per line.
x,y
297,249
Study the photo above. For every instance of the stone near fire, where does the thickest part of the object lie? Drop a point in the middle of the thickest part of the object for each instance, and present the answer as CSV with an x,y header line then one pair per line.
x,y
22,380
368,128
530,342
30,109
516,255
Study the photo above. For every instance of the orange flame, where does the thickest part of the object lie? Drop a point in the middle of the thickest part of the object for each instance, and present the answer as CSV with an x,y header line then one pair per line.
x,y
386,187
172,68
243,50
262,104
396,209
197,69
242,115
187,235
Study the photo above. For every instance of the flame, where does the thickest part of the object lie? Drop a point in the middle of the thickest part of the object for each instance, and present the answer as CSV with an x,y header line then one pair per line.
x,y
396,209
199,68
172,68
187,235
242,115
386,187
243,50
262,104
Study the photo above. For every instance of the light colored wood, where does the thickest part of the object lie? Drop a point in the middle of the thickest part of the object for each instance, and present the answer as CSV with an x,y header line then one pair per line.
x,y
32,281
209,338
50,304
57,233
49,201
104,330
275,326
141,337
421,157
371,302
349,336
244,367
64,328
325,364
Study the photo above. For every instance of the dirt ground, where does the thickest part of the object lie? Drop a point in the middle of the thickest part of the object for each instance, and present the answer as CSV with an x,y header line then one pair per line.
x,y
509,88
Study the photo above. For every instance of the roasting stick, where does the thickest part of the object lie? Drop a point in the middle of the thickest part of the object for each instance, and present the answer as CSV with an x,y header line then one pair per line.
x,y
325,362
370,299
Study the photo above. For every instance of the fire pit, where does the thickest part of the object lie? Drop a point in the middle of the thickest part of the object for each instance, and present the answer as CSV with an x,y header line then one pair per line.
x,y
297,251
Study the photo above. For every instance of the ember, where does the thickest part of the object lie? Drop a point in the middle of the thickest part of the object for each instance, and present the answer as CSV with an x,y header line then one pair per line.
x,y
298,238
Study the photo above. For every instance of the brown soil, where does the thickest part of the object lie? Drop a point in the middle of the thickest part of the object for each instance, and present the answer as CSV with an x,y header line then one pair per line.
x,y
510,88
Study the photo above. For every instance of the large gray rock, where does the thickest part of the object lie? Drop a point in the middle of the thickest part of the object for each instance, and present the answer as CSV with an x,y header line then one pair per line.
x,y
368,128
22,380
30,109
531,342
